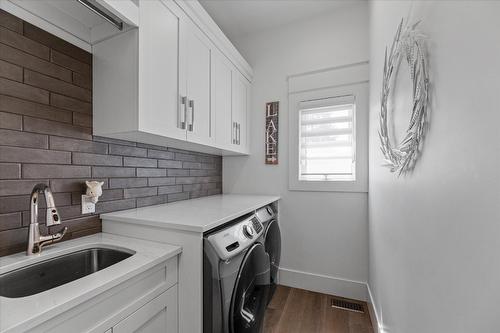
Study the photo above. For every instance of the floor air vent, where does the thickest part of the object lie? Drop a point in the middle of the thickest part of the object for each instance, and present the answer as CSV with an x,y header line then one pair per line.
x,y
346,305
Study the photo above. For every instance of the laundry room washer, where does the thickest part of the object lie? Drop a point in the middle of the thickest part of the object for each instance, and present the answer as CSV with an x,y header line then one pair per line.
x,y
272,243
236,277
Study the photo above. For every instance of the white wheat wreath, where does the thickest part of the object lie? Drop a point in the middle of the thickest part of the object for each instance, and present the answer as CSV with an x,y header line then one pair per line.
x,y
409,45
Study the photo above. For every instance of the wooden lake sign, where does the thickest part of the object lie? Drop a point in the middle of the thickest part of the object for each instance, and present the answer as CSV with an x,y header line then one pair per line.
x,y
272,110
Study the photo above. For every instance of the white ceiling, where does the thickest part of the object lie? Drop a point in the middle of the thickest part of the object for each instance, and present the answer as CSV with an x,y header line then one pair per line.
x,y
243,17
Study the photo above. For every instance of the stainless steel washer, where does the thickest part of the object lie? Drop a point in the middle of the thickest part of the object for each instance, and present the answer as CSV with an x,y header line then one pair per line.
x,y
236,277
272,243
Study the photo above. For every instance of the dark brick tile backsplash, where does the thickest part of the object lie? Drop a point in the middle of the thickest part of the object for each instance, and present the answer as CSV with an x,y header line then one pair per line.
x,y
23,139
11,22
10,170
140,162
30,62
170,164
97,159
66,88
148,172
9,120
55,43
10,71
17,89
127,182
10,221
46,136
76,145
70,104
24,44
82,80
70,63
127,151
160,154
40,111
161,181
30,155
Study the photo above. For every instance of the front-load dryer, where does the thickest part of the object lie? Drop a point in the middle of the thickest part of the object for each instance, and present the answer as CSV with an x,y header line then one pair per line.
x,y
272,243
236,278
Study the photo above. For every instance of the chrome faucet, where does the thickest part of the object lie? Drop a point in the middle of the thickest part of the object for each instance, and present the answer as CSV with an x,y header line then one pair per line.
x,y
35,240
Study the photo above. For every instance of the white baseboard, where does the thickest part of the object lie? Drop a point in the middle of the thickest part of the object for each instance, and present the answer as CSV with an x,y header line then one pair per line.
x,y
324,284
372,308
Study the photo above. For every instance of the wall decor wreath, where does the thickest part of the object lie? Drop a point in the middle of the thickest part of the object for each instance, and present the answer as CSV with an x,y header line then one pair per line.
x,y
408,45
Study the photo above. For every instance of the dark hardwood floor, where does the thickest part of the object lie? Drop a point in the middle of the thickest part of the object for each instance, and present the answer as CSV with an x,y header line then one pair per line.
x,y
296,310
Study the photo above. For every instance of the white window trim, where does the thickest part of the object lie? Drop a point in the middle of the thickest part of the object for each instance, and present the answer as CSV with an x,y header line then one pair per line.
x,y
360,92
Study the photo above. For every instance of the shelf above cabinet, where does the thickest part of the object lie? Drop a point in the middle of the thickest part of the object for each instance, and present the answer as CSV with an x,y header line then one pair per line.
x,y
72,21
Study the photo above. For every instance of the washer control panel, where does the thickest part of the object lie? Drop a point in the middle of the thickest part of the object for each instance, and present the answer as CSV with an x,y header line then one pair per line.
x,y
248,231
230,241
257,225
265,213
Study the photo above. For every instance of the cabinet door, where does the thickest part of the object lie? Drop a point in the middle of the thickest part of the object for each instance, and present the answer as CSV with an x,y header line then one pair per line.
x,y
198,70
157,316
245,119
240,100
221,99
161,110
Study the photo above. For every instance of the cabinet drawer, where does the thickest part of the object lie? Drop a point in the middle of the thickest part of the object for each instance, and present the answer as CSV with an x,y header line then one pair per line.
x,y
157,316
108,308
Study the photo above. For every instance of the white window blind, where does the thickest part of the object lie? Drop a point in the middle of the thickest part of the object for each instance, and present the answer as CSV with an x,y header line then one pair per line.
x,y
327,145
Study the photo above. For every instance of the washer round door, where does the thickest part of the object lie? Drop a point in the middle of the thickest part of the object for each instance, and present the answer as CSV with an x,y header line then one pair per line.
x,y
251,288
273,248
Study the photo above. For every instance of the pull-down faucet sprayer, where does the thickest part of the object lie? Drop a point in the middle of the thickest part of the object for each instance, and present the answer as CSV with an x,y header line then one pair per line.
x,y
35,240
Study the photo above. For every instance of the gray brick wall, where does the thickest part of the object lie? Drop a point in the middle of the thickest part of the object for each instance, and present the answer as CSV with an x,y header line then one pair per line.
x,y
46,136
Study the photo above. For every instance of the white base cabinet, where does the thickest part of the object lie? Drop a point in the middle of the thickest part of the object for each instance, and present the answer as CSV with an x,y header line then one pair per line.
x,y
147,302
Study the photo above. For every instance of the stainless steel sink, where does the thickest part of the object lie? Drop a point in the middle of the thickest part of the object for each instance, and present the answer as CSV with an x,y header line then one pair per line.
x,y
51,273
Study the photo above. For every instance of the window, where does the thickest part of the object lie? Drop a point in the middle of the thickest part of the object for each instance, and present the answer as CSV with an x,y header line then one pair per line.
x,y
328,138
327,144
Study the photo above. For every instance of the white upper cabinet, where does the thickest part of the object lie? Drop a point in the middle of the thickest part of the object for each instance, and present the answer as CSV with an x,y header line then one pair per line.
x,y
160,109
222,98
137,75
240,111
230,94
168,83
198,73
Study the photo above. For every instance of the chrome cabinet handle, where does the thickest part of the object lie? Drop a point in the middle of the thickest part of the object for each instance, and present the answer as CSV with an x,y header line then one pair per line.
x,y
233,133
191,124
182,113
239,133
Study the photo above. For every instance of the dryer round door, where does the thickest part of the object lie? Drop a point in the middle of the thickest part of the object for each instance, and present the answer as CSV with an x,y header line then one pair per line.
x,y
273,247
249,300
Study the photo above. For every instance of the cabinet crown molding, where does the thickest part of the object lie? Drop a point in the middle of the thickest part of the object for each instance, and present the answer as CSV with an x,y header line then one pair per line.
x,y
202,19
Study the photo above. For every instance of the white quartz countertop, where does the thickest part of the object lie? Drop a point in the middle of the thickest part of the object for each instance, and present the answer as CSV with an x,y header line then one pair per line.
x,y
21,314
197,215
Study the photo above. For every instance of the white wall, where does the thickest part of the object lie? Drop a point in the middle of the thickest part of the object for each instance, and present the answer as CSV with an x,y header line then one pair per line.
x,y
322,233
435,235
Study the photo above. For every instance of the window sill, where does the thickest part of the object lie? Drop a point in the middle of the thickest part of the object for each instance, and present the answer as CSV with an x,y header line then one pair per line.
x,y
329,186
